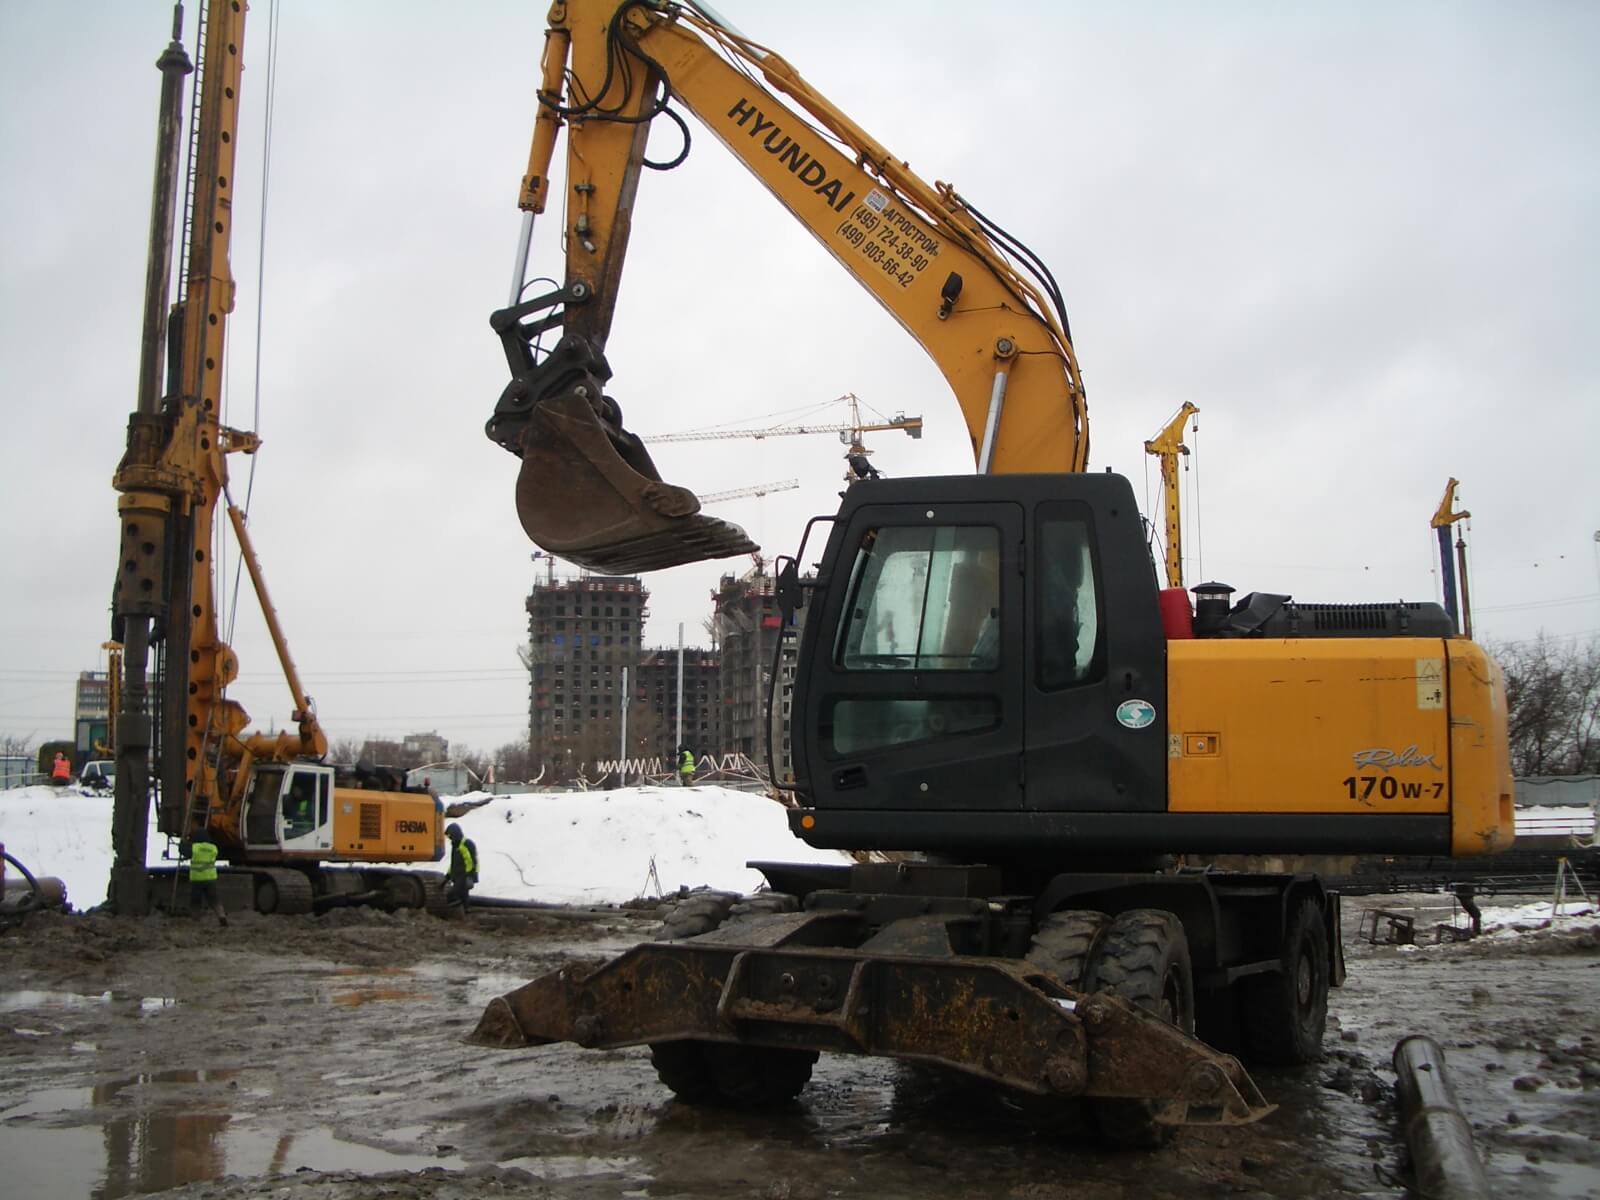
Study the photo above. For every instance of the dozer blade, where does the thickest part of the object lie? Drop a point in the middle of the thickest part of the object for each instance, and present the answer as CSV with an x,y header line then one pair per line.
x,y
998,1020
588,492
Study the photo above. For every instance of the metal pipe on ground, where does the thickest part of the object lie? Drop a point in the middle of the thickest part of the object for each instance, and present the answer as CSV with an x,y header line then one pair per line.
x,y
1443,1158
29,892
562,912
47,892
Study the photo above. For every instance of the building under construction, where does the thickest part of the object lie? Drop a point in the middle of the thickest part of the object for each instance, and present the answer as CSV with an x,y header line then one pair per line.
x,y
748,626
583,633
656,702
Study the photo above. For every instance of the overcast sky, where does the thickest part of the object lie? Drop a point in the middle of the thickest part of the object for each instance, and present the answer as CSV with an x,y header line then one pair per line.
x,y
1361,237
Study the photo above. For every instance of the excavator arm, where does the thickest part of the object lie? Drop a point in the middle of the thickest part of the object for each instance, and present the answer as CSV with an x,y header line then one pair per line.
x,y
587,489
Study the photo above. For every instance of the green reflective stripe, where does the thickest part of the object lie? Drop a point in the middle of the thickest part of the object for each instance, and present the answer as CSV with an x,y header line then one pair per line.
x,y
467,861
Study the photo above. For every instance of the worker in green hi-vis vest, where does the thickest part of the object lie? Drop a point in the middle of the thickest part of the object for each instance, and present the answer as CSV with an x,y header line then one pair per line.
x,y
203,877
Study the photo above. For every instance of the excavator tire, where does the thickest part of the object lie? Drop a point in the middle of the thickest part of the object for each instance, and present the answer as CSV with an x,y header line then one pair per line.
x,y
1143,957
759,1076
731,1075
697,913
683,1068
1284,1013
1065,942
283,892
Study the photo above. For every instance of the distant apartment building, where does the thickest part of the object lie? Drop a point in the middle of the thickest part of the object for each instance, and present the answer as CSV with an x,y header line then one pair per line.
x,y
424,748
748,624
382,752
92,715
656,701
582,633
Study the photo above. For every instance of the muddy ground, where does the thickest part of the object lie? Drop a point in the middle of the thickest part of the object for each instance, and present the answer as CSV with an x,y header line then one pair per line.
x,y
320,1059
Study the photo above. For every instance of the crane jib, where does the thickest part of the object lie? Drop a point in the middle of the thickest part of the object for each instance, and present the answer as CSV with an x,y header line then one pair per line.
x,y
802,164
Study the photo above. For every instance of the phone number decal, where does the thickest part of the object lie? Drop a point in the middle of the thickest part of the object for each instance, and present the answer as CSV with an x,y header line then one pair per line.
x,y
888,239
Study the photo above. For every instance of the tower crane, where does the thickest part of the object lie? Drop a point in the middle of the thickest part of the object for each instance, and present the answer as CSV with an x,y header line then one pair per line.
x,y
911,425
1167,446
1446,516
755,489
849,434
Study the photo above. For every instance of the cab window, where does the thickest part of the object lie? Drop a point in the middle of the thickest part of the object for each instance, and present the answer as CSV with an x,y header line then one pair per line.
x,y
923,599
1069,614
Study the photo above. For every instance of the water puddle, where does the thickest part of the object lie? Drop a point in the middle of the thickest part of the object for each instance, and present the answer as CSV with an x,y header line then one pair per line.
x,y
354,997
31,1000
582,1166
475,991
156,1131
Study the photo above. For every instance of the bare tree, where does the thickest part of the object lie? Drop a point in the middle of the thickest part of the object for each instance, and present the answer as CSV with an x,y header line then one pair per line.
x,y
17,743
473,760
345,750
1553,697
514,760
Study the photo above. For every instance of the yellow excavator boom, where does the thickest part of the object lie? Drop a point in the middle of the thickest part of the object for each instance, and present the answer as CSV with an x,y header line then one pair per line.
x,y
944,272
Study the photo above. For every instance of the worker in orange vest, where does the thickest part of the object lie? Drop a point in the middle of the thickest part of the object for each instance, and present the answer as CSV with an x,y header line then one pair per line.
x,y
60,771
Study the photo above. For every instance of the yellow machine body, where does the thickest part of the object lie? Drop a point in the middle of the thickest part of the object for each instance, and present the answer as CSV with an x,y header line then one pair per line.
x,y
386,827
1341,726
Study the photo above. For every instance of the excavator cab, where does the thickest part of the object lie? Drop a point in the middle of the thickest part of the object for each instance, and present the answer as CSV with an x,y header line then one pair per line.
x,y
588,491
290,807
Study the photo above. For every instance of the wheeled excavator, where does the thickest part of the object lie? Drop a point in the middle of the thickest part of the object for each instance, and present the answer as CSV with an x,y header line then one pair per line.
x,y
296,832
990,687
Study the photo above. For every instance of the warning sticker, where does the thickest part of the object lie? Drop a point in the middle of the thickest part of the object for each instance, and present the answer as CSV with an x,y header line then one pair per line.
x,y
1430,683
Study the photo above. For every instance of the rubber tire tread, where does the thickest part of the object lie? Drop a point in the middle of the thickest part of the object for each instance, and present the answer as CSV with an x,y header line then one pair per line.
x,y
1065,942
730,1075
758,1076
1132,962
684,1069
1275,1030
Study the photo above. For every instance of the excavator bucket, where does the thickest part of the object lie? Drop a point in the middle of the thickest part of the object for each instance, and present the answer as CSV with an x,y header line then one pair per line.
x,y
591,495
587,491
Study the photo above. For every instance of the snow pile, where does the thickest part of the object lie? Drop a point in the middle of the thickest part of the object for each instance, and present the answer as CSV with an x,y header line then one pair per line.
x,y
1555,821
1507,923
65,833
1575,915
555,847
597,847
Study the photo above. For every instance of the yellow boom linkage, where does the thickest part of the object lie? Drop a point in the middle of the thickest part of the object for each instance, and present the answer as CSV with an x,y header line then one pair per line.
x,y
941,269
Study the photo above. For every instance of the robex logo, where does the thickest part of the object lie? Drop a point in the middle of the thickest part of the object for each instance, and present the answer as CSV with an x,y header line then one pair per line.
x,y
411,827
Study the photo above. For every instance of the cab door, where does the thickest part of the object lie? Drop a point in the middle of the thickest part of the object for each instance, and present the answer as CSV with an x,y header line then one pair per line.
x,y
306,809
915,691
1097,721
